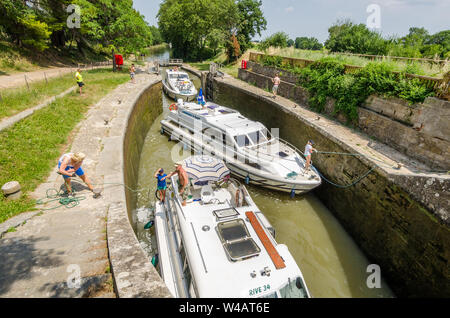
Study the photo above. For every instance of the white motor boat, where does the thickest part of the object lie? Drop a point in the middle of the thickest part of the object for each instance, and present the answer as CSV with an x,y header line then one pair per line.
x,y
177,85
219,244
248,148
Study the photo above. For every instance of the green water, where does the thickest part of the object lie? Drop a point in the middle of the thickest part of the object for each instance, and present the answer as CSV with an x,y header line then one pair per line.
x,y
331,262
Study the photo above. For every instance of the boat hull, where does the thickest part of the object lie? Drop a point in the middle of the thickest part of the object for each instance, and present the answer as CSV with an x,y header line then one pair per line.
x,y
238,168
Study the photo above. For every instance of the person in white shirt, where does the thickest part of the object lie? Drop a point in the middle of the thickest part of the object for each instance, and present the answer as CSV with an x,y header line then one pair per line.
x,y
309,149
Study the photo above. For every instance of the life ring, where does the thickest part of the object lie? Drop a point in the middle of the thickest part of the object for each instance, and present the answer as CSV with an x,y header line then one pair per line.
x,y
173,107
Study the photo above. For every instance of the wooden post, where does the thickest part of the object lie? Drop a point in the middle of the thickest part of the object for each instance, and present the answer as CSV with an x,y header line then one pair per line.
x,y
28,85
46,80
114,61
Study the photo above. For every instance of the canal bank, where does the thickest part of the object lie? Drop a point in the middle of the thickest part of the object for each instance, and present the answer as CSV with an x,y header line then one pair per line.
x,y
399,217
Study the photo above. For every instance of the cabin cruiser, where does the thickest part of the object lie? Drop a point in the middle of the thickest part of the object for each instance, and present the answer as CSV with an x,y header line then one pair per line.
x,y
177,85
219,244
248,148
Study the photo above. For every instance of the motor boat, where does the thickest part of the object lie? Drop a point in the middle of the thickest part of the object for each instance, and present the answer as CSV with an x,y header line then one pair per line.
x,y
217,243
250,151
177,85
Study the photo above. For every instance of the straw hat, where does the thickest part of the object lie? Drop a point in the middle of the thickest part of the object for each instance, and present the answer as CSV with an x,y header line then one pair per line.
x,y
78,156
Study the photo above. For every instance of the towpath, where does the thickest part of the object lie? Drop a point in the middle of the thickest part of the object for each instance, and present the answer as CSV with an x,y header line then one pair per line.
x,y
63,252
20,79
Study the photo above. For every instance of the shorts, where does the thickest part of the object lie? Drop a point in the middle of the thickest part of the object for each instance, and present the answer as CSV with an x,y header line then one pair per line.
x,y
132,75
81,84
162,188
275,88
79,172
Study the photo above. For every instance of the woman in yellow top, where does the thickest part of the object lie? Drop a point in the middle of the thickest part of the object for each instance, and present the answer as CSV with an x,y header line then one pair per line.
x,y
79,79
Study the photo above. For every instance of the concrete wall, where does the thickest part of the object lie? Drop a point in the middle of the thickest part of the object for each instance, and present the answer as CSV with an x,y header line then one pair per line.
x,y
402,234
420,131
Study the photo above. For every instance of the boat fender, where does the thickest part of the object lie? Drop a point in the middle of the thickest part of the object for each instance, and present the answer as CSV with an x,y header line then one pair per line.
x,y
292,193
237,197
162,131
149,224
155,260
173,107
247,179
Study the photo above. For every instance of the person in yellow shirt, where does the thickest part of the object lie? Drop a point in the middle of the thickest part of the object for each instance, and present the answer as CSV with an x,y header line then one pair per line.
x,y
79,78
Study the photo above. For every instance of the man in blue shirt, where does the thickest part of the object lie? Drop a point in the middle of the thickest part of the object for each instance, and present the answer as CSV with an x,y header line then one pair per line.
x,y
161,176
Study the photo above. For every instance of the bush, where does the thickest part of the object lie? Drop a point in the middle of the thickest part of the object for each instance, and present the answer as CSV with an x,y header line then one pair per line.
x,y
327,78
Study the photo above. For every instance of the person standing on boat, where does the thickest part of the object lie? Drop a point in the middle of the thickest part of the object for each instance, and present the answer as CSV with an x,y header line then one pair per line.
x,y
162,186
182,181
79,78
69,165
309,149
276,82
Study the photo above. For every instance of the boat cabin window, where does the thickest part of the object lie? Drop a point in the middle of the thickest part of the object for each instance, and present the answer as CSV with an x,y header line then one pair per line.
x,y
242,140
294,289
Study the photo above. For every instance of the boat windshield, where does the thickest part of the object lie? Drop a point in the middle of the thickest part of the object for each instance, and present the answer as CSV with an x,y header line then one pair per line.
x,y
179,76
259,136
294,289
242,140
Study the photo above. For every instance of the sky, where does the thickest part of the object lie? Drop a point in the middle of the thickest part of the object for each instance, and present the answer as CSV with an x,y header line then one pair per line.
x,y
313,17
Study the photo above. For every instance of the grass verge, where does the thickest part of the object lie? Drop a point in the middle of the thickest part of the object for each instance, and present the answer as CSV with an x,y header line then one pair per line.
x,y
30,148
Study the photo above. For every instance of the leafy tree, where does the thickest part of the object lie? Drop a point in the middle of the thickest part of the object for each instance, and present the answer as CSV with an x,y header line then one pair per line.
x,y
278,39
306,43
251,21
21,23
290,43
157,37
355,38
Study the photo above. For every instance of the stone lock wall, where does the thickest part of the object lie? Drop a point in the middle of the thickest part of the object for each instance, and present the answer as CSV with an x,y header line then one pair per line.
x,y
146,109
420,131
396,231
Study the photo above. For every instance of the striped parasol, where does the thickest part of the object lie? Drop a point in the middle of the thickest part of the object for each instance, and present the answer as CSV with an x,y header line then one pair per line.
x,y
205,168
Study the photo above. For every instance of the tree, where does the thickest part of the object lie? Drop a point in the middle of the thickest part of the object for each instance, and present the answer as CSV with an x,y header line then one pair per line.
x,y
344,36
290,43
22,24
187,23
305,43
251,21
278,39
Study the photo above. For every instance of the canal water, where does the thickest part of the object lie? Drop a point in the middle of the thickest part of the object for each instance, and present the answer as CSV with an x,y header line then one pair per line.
x,y
331,262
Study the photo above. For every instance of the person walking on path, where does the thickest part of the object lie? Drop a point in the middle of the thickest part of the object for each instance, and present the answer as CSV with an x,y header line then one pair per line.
x,y
69,165
276,82
162,186
308,151
132,73
182,181
79,78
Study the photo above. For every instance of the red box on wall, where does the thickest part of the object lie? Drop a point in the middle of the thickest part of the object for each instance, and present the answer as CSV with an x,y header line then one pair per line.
x,y
244,64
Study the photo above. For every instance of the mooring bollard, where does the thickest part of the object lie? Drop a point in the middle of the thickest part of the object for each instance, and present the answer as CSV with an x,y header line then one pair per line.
x,y
12,190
